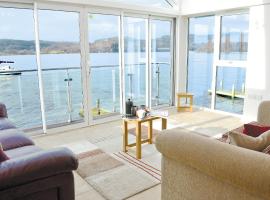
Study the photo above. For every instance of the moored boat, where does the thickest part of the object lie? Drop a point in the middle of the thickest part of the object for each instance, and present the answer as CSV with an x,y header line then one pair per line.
x,y
8,70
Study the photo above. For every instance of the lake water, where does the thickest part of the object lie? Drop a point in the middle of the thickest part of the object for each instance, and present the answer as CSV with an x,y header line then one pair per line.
x,y
21,93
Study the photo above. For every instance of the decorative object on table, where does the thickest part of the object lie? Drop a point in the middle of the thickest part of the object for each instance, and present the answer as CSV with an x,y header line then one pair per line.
x,y
143,112
134,110
184,107
142,107
129,105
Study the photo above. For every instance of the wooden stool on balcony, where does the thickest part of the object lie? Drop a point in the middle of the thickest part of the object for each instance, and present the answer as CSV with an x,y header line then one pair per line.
x,y
184,107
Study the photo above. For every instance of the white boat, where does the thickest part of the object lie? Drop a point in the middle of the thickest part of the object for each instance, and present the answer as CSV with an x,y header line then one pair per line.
x,y
8,70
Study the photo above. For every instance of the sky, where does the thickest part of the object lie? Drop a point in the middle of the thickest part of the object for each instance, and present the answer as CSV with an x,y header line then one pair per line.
x,y
64,26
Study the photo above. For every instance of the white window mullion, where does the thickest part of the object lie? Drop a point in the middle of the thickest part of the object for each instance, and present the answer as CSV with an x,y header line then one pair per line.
x,y
173,60
216,58
85,71
122,64
148,64
39,70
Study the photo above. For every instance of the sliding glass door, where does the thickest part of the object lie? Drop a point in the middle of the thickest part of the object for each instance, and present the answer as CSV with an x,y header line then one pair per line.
x,y
61,67
200,59
161,62
103,34
135,55
19,88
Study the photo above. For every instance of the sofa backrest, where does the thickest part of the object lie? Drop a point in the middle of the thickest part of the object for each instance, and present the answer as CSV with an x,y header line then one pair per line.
x,y
263,115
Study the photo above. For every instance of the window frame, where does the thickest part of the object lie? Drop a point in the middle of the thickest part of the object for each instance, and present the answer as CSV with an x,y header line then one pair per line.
x,y
217,61
83,10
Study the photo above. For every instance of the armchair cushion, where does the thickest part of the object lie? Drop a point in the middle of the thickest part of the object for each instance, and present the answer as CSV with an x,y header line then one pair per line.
x,y
22,151
36,166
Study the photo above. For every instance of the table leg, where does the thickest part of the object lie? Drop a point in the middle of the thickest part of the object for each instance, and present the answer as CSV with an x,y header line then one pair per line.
x,y
178,103
150,131
125,136
138,140
191,103
163,123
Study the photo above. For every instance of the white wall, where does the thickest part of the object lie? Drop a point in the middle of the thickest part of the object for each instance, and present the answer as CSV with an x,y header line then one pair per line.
x,y
258,70
190,7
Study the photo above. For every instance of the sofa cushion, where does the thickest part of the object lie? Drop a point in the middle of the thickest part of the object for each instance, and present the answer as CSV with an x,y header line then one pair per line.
x,y
3,156
14,138
255,130
248,142
18,152
6,124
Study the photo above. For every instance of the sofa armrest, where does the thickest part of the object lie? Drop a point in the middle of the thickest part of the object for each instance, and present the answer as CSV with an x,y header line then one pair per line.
x,y
3,110
243,168
36,166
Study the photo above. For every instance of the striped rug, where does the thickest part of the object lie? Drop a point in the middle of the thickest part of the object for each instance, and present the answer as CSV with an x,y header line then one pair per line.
x,y
142,165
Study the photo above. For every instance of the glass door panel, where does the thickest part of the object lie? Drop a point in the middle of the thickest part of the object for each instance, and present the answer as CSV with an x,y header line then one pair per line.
x,y
135,59
104,62
161,65
230,89
200,59
60,61
19,88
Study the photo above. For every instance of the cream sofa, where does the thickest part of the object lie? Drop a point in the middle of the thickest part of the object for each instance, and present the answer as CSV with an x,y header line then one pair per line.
x,y
199,168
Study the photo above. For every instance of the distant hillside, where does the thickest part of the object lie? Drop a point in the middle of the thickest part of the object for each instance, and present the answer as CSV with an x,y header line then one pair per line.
x,y
27,47
232,42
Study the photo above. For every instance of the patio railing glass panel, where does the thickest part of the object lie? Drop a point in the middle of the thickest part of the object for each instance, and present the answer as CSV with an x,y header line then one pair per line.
x,y
230,89
19,90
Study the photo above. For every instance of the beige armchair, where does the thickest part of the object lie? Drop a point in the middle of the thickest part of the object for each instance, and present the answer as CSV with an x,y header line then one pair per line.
x,y
199,168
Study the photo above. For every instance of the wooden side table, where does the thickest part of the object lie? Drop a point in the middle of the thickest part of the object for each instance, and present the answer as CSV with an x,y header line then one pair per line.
x,y
138,122
184,107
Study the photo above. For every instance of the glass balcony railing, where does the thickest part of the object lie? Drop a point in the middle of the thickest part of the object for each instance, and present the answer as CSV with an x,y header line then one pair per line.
x,y
63,92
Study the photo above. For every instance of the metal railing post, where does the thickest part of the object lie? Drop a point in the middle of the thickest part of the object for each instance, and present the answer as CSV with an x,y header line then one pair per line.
x,y
158,84
69,97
